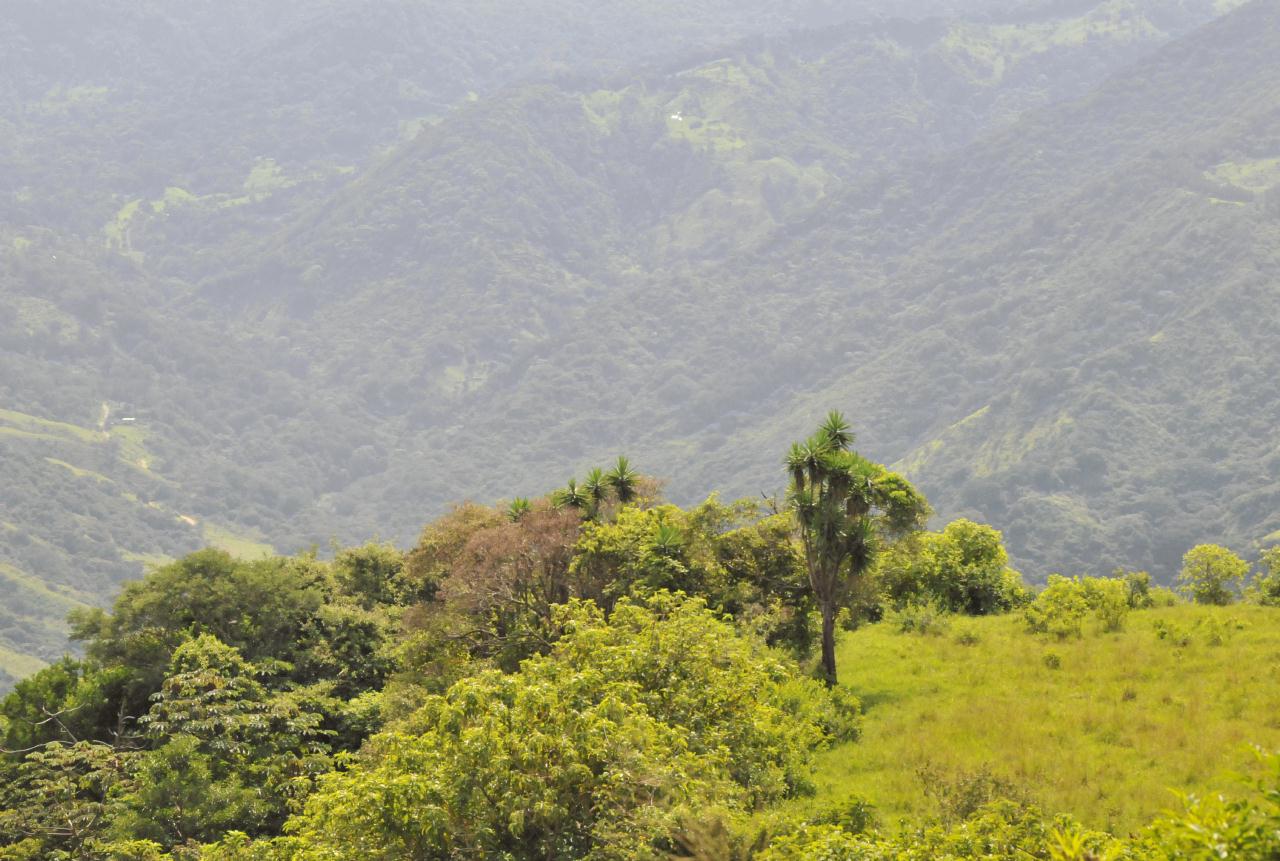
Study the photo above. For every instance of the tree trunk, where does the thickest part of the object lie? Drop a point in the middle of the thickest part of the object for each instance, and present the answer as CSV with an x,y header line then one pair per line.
x,y
829,643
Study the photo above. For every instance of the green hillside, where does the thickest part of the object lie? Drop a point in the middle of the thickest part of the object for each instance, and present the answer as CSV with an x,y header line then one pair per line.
x,y
1030,247
998,263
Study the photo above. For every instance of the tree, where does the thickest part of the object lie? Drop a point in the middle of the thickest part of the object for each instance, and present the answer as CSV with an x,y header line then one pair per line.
x,y
68,701
259,607
596,750
1212,574
56,802
442,541
507,578
572,495
227,752
845,506
643,550
597,489
624,480
370,574
964,569
768,586
1266,584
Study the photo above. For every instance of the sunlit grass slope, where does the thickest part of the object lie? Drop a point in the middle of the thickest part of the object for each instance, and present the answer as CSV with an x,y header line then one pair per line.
x,y
1102,727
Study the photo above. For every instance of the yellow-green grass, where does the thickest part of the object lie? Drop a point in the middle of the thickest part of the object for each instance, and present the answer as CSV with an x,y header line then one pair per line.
x,y
133,445
147,560
1105,736
21,424
77,471
239,546
1256,175
989,51
17,665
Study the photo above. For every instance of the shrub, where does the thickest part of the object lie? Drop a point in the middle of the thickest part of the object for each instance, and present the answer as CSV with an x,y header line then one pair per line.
x,y
1214,827
962,569
597,749
1001,829
1265,588
1138,585
1108,599
928,619
1172,633
1061,608
959,796
853,814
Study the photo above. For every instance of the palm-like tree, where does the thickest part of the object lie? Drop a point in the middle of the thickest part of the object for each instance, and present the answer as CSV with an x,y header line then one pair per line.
x,y
624,480
844,506
519,507
572,495
667,540
596,486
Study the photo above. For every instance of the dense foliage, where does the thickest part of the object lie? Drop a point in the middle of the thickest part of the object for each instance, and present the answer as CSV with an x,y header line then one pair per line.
x,y
594,751
962,569
595,673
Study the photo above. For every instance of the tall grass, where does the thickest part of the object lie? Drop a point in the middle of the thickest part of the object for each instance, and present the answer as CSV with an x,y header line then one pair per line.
x,y
1101,727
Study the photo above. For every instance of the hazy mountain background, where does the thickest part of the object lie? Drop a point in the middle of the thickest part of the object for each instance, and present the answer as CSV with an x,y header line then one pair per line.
x,y
276,274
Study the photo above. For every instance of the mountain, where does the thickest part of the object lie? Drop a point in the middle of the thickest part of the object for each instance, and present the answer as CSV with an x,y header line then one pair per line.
x,y
315,270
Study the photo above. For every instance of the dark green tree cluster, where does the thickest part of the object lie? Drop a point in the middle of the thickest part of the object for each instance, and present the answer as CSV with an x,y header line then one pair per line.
x,y
216,694
209,699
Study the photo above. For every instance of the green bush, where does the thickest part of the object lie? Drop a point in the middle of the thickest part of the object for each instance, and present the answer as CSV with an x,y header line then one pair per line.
x,y
1265,588
597,750
1138,584
1172,633
995,831
1060,610
962,569
1214,827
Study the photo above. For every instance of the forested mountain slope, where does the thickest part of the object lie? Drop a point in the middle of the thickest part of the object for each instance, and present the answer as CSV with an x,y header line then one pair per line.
x,y
851,214
106,102
1097,288
345,264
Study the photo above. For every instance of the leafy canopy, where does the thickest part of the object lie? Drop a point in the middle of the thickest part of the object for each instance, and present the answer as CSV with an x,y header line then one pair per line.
x,y
592,751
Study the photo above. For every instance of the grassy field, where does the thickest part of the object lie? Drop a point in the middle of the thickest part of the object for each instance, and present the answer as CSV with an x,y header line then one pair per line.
x,y
1101,727
239,546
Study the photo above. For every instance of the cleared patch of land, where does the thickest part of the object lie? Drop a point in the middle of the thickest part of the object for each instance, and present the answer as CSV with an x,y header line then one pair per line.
x,y
239,546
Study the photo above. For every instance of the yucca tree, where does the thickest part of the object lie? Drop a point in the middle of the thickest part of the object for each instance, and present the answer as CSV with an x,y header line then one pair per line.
x,y
572,495
624,480
844,506
519,507
597,488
